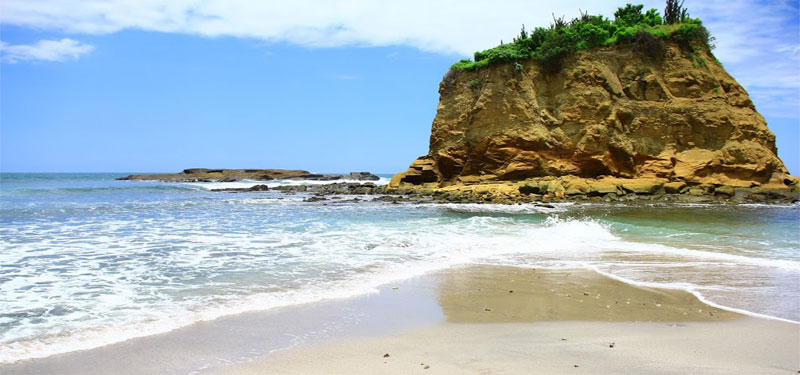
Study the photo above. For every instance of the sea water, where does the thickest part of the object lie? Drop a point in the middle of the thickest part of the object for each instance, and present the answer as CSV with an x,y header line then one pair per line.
x,y
86,260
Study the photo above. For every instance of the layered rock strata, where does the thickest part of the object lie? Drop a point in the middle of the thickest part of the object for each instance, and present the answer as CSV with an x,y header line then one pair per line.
x,y
676,124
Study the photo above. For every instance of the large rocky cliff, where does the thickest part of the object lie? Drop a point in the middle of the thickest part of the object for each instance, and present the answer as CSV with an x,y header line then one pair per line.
x,y
611,113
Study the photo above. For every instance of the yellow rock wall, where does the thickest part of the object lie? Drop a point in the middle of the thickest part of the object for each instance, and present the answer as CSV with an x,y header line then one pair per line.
x,y
611,111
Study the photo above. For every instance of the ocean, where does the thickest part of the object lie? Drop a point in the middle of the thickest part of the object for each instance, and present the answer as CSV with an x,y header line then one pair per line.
x,y
86,260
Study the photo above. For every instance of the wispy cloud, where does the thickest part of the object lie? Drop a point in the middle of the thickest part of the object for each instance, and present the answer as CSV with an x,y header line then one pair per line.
x,y
445,26
759,44
758,41
344,77
44,50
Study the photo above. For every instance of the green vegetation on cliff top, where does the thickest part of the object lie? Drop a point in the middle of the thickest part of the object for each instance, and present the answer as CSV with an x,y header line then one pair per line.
x,y
550,46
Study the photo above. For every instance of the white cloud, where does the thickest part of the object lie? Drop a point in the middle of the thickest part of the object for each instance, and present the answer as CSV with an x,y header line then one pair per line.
x,y
446,26
757,41
759,44
44,50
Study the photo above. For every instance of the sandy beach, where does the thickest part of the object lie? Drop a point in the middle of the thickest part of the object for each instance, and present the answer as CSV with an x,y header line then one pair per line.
x,y
505,320
748,346
477,319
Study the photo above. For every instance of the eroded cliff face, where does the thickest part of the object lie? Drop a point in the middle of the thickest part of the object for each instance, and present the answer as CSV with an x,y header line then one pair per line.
x,y
612,111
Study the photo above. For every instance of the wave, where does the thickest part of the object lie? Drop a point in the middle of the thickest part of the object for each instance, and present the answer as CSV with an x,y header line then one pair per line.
x,y
99,189
505,208
370,251
394,255
692,289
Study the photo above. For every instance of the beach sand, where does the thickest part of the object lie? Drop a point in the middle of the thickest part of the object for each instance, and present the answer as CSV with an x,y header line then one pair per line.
x,y
749,346
468,320
506,320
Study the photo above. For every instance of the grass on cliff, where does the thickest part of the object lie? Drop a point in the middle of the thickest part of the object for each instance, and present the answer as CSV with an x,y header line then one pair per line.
x,y
551,45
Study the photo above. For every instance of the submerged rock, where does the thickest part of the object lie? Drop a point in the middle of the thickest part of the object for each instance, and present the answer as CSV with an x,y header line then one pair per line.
x,y
243,190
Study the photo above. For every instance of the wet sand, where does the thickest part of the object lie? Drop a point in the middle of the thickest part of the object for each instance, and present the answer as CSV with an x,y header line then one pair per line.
x,y
495,294
473,320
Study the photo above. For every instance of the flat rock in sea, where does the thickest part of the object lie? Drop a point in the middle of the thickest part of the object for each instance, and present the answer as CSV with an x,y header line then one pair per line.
x,y
232,175
244,190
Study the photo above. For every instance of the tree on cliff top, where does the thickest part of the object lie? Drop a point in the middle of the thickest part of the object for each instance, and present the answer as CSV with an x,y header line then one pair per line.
x,y
674,12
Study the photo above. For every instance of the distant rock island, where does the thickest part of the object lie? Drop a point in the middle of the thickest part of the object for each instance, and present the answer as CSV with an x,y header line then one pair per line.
x,y
613,122
231,175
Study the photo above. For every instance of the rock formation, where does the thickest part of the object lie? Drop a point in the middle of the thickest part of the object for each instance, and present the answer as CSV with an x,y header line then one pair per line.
x,y
612,116
230,175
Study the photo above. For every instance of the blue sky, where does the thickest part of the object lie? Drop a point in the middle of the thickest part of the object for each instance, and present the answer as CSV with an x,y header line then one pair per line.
x,y
157,85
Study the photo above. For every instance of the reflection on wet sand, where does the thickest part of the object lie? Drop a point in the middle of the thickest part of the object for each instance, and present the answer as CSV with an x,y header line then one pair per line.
x,y
494,294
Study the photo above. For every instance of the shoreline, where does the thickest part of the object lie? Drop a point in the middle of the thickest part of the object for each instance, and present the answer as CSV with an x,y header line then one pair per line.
x,y
430,300
353,289
550,189
366,291
701,298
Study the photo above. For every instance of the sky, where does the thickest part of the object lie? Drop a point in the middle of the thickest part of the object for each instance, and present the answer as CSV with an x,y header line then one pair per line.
x,y
327,86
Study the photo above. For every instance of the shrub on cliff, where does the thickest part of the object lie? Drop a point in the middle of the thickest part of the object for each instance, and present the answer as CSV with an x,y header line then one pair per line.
x,y
550,46
690,31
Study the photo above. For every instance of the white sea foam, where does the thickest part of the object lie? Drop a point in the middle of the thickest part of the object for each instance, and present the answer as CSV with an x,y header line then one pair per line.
x,y
505,208
113,295
110,272
693,289
771,205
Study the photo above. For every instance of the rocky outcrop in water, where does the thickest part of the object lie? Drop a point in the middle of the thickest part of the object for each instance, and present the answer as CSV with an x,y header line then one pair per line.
x,y
243,190
613,121
231,175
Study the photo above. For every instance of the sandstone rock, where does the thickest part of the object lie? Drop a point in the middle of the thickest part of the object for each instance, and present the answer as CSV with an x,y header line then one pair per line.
x,y
602,187
674,187
555,189
577,187
421,171
696,191
611,112
725,191
242,190
645,186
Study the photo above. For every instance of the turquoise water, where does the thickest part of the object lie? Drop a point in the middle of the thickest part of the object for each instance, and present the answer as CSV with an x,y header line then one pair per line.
x,y
86,260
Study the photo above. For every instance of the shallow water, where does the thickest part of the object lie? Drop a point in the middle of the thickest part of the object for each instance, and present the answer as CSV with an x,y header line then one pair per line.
x,y
86,260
